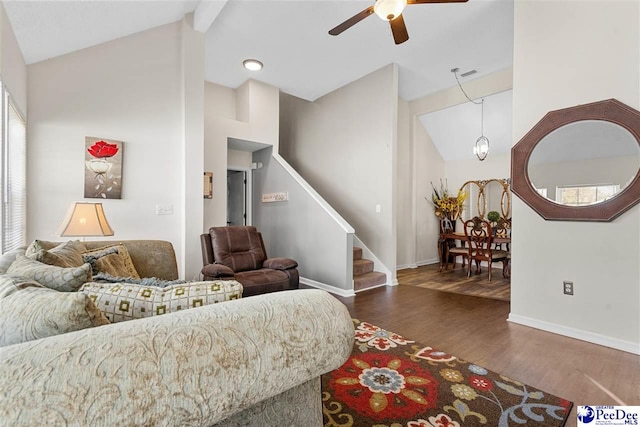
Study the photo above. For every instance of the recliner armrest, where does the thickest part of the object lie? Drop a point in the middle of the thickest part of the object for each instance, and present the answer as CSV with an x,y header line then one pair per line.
x,y
217,271
280,263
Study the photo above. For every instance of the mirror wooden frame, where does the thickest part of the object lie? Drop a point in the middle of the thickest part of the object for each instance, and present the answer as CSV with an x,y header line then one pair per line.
x,y
610,110
481,201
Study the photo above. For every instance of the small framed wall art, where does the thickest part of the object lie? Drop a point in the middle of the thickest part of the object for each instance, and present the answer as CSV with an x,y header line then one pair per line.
x,y
103,168
208,185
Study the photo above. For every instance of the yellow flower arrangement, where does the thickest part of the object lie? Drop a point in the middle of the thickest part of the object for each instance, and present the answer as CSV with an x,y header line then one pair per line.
x,y
445,205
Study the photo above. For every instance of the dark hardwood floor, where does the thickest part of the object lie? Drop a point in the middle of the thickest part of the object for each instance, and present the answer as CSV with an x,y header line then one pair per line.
x,y
476,329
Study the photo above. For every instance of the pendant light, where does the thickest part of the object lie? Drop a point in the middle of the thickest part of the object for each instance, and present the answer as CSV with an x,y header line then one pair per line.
x,y
481,147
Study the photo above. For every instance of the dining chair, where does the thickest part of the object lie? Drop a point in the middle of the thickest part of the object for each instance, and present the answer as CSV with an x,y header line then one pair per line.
x,y
479,238
502,230
450,247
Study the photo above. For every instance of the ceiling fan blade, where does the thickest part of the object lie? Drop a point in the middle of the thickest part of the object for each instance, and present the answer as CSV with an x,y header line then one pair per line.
x,y
351,21
435,1
399,30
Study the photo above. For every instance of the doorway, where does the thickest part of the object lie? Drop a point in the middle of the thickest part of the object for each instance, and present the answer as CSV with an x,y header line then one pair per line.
x,y
238,191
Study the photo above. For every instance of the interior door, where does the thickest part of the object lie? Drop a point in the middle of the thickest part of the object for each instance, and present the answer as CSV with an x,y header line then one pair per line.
x,y
236,197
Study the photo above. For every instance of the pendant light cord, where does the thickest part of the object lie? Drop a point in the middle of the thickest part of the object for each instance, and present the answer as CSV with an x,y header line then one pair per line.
x,y
481,102
455,73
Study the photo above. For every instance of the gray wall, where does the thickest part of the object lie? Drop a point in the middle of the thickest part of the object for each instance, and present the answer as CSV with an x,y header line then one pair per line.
x,y
301,228
345,144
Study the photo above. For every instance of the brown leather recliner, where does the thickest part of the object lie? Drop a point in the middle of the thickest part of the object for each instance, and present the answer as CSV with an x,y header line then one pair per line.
x,y
237,252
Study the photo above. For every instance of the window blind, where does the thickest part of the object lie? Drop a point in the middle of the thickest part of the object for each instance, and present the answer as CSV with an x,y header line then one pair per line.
x,y
14,177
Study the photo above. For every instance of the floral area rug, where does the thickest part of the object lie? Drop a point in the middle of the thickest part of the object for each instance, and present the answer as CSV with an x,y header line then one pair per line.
x,y
391,381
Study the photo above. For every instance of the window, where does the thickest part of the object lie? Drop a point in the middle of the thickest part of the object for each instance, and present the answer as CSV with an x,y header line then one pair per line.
x,y
581,195
13,212
542,191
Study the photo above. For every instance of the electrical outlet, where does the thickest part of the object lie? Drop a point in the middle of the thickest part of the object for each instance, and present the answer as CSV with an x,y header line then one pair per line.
x,y
568,287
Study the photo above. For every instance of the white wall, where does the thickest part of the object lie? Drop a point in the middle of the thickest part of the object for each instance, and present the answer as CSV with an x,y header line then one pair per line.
x,y
249,113
13,70
587,51
404,187
428,167
344,145
192,102
303,227
239,159
132,89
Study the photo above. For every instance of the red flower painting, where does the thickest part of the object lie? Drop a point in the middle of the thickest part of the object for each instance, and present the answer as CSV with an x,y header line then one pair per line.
x,y
102,149
103,168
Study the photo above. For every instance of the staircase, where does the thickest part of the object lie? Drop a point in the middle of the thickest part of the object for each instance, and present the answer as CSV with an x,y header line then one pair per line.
x,y
363,275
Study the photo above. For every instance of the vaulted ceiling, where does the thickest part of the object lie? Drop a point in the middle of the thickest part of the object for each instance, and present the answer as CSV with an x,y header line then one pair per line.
x,y
291,38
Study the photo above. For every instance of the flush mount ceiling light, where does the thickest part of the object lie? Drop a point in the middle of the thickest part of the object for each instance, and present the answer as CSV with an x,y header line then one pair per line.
x,y
481,147
252,64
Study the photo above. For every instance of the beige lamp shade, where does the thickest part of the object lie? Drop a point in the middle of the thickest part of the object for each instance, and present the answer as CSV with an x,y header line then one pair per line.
x,y
85,219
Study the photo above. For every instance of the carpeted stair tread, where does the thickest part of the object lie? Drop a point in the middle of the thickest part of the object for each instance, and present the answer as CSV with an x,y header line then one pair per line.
x,y
362,266
367,280
357,253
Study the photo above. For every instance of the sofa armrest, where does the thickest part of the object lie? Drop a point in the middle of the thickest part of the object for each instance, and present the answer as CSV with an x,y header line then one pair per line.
x,y
194,367
217,271
280,263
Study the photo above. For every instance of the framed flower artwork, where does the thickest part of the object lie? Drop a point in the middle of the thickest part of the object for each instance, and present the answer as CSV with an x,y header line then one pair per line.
x,y
102,168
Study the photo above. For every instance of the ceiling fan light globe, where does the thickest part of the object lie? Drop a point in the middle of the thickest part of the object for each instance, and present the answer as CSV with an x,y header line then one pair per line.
x,y
389,10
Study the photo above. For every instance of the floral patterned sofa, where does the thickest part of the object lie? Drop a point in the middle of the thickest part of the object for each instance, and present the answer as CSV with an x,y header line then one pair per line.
x,y
245,362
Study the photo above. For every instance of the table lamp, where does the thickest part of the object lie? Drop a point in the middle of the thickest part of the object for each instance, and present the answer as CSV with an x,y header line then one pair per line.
x,y
85,219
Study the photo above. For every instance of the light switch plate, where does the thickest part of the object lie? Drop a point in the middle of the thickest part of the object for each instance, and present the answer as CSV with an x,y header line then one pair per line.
x,y
164,209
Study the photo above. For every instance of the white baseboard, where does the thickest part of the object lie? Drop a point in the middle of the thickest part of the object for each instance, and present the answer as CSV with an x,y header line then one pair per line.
x,y
371,287
328,288
418,264
628,346
405,266
428,262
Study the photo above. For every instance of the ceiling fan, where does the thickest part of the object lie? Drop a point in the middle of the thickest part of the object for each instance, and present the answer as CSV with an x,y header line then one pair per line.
x,y
388,10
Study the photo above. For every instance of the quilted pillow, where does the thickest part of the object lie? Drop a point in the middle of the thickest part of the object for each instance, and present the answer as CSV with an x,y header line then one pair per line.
x,y
69,252
126,301
58,278
7,258
113,260
29,311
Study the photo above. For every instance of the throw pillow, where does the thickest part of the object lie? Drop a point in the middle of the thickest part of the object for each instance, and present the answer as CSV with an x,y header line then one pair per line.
x,y
70,252
49,258
7,258
113,260
125,301
58,278
29,311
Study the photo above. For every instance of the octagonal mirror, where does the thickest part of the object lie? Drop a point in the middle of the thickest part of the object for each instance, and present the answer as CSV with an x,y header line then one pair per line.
x,y
580,163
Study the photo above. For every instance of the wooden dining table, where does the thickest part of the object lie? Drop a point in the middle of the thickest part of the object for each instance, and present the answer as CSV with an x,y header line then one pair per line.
x,y
445,238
